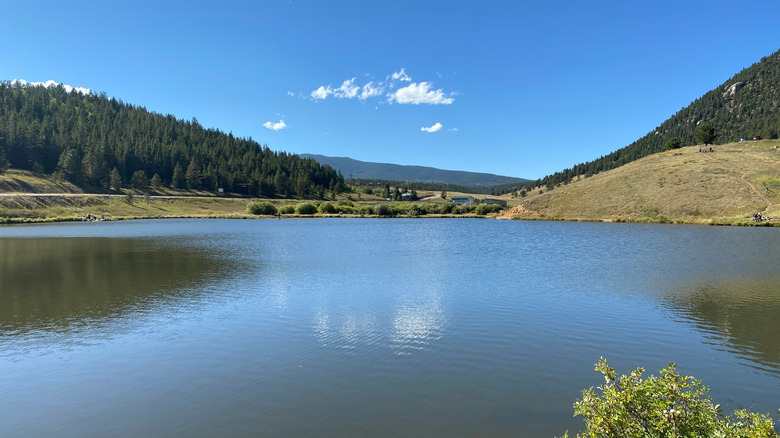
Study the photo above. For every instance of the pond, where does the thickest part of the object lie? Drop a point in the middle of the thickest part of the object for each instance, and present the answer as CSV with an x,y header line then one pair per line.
x,y
370,327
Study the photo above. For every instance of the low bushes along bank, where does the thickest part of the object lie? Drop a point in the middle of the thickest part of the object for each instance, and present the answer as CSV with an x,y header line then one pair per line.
x,y
347,207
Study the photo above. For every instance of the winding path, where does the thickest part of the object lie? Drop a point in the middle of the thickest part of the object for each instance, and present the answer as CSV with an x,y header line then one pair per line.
x,y
743,177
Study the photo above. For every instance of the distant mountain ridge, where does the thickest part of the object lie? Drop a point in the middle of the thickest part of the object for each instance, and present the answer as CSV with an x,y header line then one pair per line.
x,y
351,168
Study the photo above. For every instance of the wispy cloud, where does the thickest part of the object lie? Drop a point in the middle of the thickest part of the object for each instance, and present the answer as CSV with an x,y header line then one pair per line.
x,y
370,90
50,84
278,126
435,128
347,90
321,93
401,76
416,94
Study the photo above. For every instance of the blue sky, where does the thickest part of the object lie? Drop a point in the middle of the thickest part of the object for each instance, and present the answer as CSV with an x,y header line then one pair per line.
x,y
517,88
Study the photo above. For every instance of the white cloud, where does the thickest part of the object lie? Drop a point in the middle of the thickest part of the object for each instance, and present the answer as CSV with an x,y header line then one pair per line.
x,y
291,94
420,93
51,84
401,76
369,90
278,126
347,90
413,93
436,127
321,93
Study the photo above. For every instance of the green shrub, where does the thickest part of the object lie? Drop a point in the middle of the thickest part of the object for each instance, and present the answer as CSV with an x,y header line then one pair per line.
x,y
306,208
366,210
345,209
326,208
415,211
383,210
287,209
264,208
346,202
483,209
447,208
669,405
398,209
672,143
428,208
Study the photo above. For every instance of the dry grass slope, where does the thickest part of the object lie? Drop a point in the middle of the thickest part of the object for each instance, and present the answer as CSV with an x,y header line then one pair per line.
x,y
725,186
16,181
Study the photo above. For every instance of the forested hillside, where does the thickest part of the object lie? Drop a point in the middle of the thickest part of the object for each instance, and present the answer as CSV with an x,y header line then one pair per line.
x,y
362,170
746,105
100,142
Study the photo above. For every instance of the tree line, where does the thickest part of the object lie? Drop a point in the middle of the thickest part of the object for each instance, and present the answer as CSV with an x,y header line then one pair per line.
x,y
99,142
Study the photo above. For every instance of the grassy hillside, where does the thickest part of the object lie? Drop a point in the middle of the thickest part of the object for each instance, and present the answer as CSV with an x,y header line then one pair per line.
x,y
19,181
722,187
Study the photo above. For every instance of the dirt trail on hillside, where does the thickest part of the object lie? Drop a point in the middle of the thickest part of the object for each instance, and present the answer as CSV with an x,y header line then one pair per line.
x,y
743,177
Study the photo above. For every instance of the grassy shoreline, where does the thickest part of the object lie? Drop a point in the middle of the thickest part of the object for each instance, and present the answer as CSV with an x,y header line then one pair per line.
x,y
27,208
31,208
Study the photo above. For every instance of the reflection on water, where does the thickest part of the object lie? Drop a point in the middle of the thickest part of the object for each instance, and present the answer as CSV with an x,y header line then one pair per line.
x,y
418,321
743,317
66,285
347,331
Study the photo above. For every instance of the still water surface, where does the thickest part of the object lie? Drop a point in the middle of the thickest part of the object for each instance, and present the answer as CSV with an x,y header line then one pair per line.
x,y
370,327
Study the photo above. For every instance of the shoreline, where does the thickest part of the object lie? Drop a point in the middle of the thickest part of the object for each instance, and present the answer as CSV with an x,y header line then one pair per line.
x,y
11,220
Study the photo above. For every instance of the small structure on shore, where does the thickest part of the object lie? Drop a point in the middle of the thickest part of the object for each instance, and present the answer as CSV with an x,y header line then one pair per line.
x,y
500,202
462,200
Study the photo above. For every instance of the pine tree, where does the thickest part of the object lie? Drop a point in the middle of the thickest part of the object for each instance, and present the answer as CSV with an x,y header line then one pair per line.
x,y
156,181
139,180
69,165
672,143
115,179
193,175
4,163
177,181
706,134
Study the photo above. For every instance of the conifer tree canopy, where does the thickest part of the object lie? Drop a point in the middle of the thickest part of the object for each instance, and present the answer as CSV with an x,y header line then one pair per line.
x,y
96,141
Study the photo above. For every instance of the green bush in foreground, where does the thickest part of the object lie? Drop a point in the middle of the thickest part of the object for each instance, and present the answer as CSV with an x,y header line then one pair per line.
x,y
264,207
669,405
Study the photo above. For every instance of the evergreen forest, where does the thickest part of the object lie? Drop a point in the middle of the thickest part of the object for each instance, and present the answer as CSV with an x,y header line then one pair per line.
x,y
101,143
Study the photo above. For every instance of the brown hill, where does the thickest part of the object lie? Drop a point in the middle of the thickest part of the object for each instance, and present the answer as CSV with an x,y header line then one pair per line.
x,y
725,186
